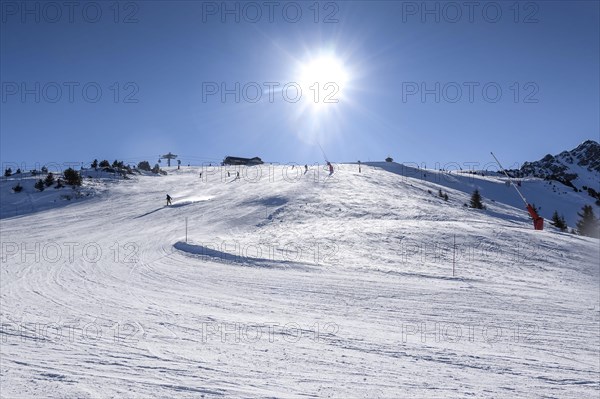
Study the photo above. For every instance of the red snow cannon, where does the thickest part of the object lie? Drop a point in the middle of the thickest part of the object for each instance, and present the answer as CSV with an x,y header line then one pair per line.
x,y
538,221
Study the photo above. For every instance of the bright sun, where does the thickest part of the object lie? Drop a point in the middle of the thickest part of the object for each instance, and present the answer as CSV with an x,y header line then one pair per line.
x,y
324,79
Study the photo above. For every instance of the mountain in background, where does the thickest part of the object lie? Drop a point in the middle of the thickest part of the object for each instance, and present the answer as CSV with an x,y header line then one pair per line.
x,y
578,168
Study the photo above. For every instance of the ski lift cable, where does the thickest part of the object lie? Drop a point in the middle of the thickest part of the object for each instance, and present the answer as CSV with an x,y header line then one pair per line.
x,y
509,179
323,152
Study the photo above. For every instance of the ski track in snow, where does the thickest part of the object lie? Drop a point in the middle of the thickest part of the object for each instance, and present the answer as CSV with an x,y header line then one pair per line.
x,y
306,288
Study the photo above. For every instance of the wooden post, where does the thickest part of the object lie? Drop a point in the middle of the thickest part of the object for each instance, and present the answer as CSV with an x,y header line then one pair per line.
x,y
453,254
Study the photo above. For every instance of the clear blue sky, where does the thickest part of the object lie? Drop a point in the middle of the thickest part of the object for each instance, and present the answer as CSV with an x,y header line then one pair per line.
x,y
168,53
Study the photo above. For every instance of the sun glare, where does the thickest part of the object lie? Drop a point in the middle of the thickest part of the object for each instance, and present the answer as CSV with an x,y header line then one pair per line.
x,y
326,83
324,70
324,80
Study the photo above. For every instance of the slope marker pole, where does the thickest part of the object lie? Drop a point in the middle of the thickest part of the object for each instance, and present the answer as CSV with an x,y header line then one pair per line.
x,y
453,255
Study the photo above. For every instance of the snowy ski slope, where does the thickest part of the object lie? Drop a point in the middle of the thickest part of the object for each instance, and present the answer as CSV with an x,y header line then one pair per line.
x,y
297,285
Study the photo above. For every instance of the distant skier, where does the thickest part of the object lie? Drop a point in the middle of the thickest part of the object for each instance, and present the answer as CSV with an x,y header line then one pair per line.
x,y
305,169
168,200
237,176
330,168
201,175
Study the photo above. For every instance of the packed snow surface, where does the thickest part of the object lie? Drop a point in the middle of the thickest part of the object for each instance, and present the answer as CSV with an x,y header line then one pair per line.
x,y
285,284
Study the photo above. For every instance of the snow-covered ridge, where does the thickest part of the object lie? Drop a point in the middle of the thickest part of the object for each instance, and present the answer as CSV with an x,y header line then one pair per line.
x,y
362,284
578,168
30,199
500,198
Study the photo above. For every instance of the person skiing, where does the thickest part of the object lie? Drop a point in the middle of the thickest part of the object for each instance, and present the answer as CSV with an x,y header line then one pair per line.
x,y
305,169
168,200
330,168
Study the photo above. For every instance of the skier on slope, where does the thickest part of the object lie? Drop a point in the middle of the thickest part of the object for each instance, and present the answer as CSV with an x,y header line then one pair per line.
x,y
330,168
305,169
168,200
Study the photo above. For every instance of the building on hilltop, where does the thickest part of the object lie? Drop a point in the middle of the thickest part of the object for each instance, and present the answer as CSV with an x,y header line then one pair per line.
x,y
242,161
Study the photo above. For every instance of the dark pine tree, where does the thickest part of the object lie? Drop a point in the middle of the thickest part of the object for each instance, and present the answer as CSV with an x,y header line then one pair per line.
x,y
588,225
476,200
72,177
49,180
559,221
39,185
144,165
